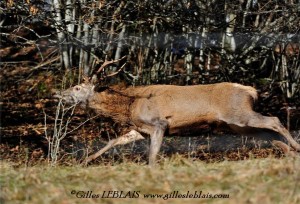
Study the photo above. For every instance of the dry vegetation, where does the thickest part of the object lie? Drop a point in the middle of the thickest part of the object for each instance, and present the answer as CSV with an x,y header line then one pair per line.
x,y
268,180
31,69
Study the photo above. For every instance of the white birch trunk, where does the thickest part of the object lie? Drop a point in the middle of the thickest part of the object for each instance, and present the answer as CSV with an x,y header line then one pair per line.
x,y
86,68
246,12
120,43
70,20
202,45
57,7
228,38
284,77
188,64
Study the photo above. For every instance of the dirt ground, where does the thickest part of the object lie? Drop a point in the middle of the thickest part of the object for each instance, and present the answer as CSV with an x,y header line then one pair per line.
x,y
26,97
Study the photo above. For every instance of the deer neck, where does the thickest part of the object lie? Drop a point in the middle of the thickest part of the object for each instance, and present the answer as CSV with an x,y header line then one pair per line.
x,y
113,104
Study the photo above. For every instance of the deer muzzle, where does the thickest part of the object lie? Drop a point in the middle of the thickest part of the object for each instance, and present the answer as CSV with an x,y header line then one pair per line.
x,y
64,97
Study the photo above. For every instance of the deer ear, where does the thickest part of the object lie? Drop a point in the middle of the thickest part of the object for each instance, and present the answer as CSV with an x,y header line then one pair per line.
x,y
86,79
94,80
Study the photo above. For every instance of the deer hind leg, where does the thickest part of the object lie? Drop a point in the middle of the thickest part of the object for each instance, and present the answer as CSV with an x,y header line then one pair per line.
x,y
122,140
284,147
253,132
272,123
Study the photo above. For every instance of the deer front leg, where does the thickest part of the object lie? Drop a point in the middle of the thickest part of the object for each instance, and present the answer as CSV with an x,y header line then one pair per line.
x,y
156,140
122,140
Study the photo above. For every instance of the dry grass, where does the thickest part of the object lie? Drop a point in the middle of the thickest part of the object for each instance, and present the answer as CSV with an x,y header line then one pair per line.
x,y
267,180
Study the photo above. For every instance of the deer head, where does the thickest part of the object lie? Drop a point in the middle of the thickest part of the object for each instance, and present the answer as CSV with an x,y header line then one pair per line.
x,y
80,94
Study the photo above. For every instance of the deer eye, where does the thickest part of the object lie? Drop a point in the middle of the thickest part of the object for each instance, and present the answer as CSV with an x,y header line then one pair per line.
x,y
77,88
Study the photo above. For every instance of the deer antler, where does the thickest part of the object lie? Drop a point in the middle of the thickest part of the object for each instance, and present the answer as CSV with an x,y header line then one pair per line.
x,y
110,62
115,73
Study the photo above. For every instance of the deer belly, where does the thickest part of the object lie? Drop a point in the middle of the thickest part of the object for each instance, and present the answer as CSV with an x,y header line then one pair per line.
x,y
188,125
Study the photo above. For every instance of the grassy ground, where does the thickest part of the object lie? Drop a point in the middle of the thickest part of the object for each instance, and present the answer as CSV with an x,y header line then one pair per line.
x,y
267,180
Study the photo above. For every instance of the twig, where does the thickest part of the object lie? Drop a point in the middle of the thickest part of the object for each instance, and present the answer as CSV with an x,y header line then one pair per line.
x,y
46,63
83,123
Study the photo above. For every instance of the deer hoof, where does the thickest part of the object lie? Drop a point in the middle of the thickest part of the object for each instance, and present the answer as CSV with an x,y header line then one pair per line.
x,y
287,150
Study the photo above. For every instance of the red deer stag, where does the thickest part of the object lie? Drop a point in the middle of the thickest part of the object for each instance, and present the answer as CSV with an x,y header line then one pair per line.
x,y
167,109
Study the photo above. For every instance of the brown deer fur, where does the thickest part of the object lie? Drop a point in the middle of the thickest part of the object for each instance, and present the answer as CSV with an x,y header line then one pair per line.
x,y
167,109
113,104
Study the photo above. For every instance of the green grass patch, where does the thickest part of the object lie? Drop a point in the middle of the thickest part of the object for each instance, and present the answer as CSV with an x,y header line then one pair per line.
x,y
267,180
